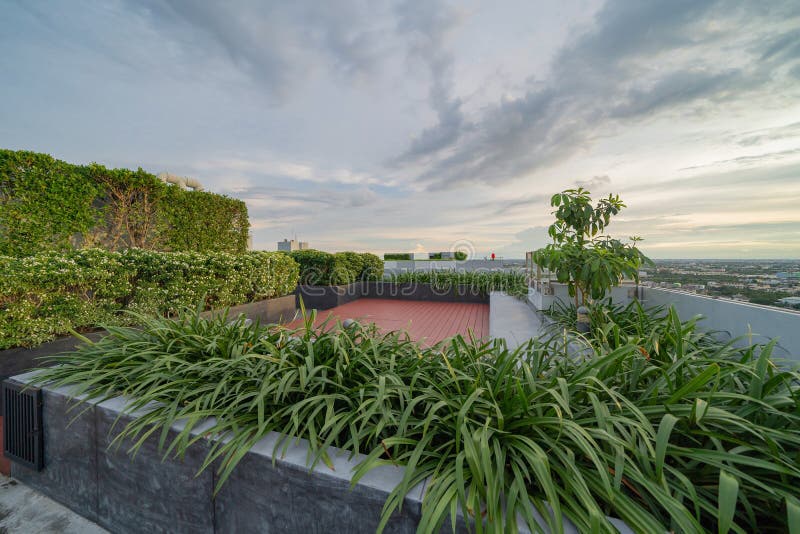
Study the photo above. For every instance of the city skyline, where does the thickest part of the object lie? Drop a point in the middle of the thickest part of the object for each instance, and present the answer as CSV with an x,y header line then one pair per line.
x,y
395,126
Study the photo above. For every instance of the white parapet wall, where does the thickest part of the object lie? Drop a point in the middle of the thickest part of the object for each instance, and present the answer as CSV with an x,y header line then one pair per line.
x,y
745,322
543,295
736,319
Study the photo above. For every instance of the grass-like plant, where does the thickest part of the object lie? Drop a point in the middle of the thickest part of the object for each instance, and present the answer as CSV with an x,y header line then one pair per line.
x,y
478,282
672,432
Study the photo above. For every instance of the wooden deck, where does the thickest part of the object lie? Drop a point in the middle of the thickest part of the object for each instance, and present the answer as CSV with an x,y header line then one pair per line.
x,y
427,322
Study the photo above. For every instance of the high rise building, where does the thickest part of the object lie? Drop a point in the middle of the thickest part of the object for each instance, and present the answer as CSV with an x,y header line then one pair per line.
x,y
289,245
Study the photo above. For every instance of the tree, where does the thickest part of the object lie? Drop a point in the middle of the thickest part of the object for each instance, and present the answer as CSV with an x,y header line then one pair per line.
x,y
581,255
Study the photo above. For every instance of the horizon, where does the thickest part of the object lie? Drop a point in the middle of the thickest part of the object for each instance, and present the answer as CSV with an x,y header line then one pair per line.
x,y
401,126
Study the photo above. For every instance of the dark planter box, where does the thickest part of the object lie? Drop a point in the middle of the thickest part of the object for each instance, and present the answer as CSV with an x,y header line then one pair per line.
x,y
265,493
327,297
415,291
277,310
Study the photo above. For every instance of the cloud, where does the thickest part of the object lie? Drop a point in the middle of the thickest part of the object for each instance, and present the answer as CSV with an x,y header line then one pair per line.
x,y
639,61
278,44
758,159
427,25
595,182
766,135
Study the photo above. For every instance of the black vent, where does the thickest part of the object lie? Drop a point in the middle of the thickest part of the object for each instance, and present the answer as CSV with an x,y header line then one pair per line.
x,y
22,425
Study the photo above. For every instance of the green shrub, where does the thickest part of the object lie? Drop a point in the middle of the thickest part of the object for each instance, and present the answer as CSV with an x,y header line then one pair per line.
x,y
322,268
396,257
679,434
482,282
47,204
51,293
373,267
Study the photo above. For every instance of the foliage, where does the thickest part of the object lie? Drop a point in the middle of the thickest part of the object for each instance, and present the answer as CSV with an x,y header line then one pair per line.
x,y
373,267
318,268
481,282
397,257
581,256
52,293
204,222
670,433
44,203
460,255
47,204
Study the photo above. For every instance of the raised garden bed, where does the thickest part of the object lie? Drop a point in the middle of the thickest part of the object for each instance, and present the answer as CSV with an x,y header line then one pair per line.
x,y
326,297
21,359
100,481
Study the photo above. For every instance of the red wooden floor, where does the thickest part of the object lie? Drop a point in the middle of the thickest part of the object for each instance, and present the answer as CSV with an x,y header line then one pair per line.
x,y
427,322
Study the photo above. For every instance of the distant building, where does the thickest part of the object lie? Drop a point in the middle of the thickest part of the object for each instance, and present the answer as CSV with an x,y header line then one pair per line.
x,y
291,245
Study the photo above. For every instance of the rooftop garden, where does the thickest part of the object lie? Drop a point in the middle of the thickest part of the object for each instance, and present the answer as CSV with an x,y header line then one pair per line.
x,y
644,417
656,423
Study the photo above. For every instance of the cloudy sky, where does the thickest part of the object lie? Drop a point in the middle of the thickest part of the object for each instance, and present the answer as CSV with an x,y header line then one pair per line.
x,y
393,126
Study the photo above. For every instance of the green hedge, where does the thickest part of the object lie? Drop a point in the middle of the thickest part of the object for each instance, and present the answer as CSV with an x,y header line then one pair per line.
x,y
484,282
47,204
397,257
323,268
51,293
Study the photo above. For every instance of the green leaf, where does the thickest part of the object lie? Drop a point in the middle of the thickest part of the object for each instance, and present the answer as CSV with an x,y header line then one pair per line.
x,y
662,441
728,494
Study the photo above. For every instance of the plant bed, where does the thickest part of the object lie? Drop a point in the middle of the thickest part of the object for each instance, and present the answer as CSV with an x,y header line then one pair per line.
x,y
422,291
273,488
18,360
669,432
327,297
277,310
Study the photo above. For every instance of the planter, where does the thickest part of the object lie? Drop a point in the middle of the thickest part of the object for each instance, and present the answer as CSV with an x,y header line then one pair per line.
x,y
276,310
416,291
150,494
20,359
327,297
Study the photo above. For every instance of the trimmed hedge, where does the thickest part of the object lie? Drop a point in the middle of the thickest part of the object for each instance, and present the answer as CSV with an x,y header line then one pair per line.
x,y
397,257
51,293
318,268
483,282
47,204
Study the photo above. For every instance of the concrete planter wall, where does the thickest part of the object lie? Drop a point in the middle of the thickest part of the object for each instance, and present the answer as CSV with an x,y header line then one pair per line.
x,y
145,494
415,291
276,310
543,295
326,297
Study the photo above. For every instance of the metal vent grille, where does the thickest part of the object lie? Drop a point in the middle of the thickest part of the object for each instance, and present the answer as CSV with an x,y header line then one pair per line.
x,y
22,425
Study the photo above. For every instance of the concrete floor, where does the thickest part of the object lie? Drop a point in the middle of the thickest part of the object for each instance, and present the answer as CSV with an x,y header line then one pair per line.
x,y
25,511
512,319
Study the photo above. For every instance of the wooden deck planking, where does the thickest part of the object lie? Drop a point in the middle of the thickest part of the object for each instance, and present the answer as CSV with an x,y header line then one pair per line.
x,y
427,322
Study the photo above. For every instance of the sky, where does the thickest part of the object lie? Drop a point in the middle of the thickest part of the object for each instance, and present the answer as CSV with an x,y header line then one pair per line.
x,y
386,126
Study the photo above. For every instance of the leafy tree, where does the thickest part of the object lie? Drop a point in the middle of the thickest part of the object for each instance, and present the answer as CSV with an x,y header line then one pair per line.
x,y
581,255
